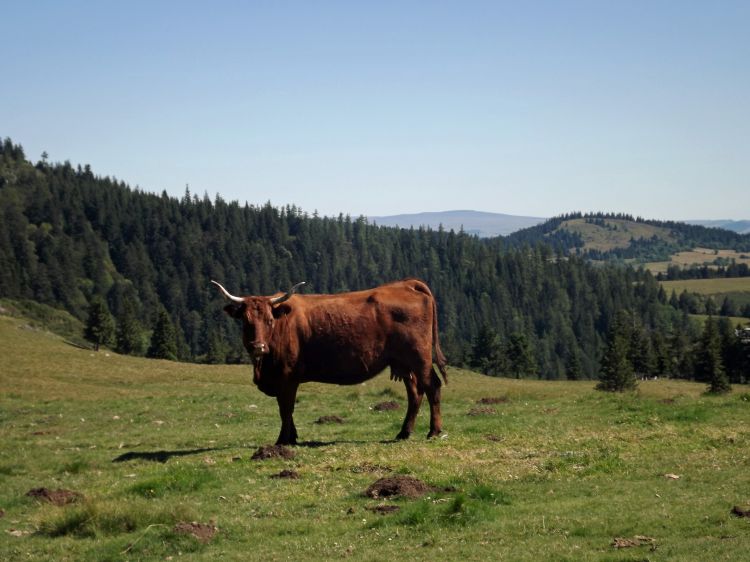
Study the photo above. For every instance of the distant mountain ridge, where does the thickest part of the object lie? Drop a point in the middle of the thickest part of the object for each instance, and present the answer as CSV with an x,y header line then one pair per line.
x,y
480,223
486,225
741,226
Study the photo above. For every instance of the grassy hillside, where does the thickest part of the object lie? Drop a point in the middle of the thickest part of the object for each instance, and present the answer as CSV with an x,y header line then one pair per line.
x,y
615,233
551,471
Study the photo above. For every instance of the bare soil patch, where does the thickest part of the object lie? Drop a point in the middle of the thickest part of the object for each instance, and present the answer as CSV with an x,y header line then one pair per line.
x,y
386,406
56,497
638,540
482,411
493,437
204,532
398,486
493,400
272,452
329,419
740,512
290,474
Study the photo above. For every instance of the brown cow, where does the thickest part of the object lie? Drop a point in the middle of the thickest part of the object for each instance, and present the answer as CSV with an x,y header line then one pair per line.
x,y
345,338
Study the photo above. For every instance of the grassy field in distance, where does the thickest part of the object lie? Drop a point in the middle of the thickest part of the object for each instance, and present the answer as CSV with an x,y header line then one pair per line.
x,y
697,256
709,286
550,471
736,288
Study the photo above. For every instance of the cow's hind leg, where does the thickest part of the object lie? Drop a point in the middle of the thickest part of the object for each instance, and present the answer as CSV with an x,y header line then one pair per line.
x,y
414,396
432,389
285,399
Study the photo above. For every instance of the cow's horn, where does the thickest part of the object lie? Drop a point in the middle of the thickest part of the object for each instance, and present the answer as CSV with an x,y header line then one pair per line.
x,y
226,293
289,293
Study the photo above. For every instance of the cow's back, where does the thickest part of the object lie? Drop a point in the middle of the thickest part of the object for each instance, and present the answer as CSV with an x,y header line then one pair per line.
x,y
350,337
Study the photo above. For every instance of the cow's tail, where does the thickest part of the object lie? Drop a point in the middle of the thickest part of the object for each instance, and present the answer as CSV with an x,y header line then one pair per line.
x,y
440,359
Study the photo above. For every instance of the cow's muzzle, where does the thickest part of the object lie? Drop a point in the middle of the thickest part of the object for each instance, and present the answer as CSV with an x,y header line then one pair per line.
x,y
258,349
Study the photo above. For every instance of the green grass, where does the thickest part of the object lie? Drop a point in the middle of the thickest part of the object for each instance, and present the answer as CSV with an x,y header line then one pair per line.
x,y
556,473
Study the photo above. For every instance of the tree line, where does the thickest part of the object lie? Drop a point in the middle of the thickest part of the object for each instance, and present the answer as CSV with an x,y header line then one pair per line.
x,y
98,248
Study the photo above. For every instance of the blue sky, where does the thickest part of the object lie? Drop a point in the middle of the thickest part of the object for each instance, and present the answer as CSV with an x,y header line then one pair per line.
x,y
377,108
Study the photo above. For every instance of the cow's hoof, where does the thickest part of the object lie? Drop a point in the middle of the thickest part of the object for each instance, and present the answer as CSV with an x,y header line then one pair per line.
x,y
434,433
402,435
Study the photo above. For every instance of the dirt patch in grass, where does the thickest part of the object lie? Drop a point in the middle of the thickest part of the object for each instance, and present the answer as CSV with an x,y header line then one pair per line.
x,y
638,540
290,474
482,411
398,486
383,508
494,438
56,497
386,406
329,419
740,512
272,452
493,400
204,532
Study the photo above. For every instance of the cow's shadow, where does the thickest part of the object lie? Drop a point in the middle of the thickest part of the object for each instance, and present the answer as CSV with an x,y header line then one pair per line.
x,y
160,456
164,456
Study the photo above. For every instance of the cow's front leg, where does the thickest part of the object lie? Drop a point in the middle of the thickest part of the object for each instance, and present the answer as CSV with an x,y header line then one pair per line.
x,y
285,399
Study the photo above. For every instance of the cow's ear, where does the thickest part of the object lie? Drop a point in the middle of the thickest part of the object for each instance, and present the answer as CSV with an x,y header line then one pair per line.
x,y
235,310
281,310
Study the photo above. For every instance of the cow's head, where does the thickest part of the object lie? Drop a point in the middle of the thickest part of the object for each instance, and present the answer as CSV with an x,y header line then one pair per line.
x,y
258,315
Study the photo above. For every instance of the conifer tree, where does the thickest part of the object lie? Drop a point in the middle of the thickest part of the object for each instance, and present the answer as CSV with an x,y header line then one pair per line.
x,y
164,339
486,353
616,373
100,328
519,356
709,366
129,336
573,369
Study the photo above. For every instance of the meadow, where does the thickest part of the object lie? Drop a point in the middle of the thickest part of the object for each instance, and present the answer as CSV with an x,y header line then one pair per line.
x,y
526,470
698,257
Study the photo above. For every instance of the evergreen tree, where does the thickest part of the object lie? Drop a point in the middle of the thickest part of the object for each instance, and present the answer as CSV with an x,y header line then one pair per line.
x,y
164,338
129,337
100,327
217,350
616,372
486,353
640,352
520,360
709,366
